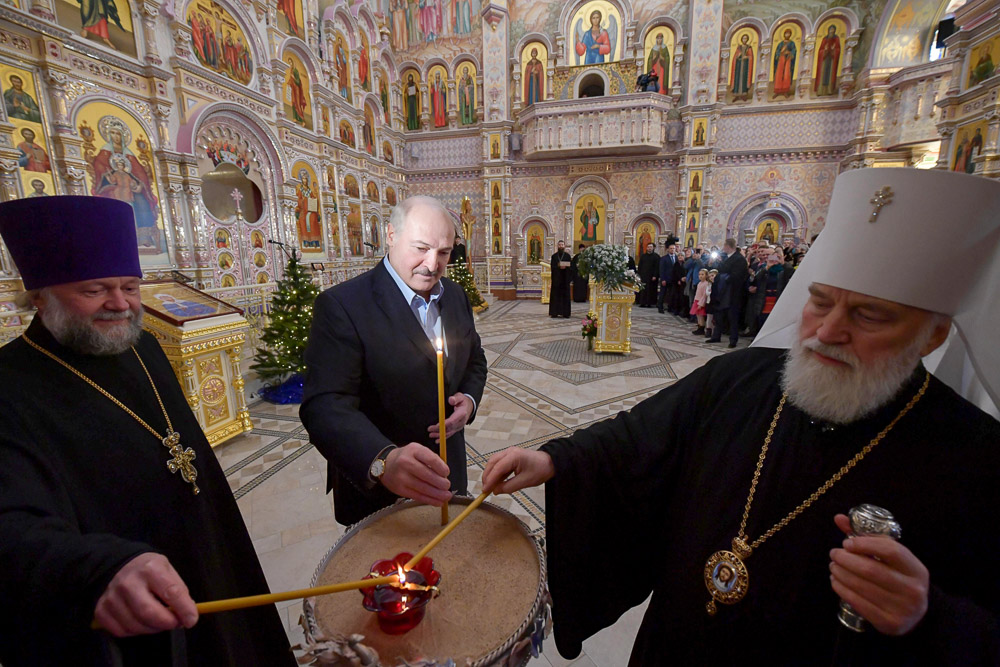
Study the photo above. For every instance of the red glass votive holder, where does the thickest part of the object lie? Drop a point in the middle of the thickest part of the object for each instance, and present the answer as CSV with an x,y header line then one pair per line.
x,y
400,608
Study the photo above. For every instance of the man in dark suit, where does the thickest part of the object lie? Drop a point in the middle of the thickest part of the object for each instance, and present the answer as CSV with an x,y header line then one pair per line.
x,y
668,285
370,399
733,276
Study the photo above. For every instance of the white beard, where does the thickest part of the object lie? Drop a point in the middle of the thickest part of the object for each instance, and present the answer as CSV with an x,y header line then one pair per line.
x,y
845,394
80,335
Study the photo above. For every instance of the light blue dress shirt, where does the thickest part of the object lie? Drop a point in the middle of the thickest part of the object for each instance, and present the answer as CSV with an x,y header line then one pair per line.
x,y
427,312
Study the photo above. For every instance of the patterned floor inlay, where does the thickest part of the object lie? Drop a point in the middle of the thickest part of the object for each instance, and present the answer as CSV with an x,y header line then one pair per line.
x,y
574,351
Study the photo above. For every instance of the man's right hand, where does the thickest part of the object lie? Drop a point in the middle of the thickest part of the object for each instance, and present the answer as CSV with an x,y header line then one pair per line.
x,y
145,596
416,472
530,468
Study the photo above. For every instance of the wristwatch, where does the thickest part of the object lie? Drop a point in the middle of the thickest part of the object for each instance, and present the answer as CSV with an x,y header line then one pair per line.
x,y
377,468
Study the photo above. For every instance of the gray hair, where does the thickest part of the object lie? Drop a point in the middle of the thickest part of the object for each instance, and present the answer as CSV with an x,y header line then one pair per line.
x,y
26,300
401,213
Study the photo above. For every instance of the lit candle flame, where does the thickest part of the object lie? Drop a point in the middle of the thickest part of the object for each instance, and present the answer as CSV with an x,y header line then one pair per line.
x,y
402,578
439,345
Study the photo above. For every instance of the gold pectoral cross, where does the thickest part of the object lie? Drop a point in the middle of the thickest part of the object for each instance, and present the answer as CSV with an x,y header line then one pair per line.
x,y
181,460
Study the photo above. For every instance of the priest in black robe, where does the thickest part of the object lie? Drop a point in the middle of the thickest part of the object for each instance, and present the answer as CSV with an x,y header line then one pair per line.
x,y
559,296
774,447
580,283
649,271
93,522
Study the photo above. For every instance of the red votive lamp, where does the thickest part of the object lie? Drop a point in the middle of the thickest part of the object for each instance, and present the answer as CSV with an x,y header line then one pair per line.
x,y
400,607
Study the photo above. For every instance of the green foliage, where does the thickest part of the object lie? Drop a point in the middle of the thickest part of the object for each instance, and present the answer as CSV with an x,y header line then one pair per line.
x,y
608,265
460,274
284,339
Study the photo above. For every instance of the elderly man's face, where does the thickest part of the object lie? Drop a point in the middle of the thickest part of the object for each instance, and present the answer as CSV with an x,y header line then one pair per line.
x,y
419,252
868,328
102,316
855,352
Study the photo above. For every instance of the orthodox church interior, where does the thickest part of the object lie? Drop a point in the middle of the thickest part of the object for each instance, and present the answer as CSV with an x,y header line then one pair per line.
x,y
240,130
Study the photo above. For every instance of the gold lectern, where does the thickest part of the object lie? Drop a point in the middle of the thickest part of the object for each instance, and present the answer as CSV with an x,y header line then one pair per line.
x,y
203,338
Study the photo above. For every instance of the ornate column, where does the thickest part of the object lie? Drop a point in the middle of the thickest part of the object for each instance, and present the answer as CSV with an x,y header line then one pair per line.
x,y
515,74
987,157
150,11
452,105
846,81
175,205
495,21
44,9
550,72
425,107
56,80
279,67
180,34
805,71
723,73
200,232
9,182
703,63
480,100
955,84
762,71
675,79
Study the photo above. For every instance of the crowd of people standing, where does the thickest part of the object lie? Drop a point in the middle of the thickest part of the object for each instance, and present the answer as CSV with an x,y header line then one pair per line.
x,y
729,291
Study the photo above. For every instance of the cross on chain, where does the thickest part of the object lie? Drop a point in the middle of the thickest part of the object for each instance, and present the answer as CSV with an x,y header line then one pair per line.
x,y
181,460
237,197
882,198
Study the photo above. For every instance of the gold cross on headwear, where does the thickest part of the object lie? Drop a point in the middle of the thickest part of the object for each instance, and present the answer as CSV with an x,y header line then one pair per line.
x,y
882,198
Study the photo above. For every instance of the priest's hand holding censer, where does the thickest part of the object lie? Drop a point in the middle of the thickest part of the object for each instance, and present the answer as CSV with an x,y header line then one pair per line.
x,y
867,520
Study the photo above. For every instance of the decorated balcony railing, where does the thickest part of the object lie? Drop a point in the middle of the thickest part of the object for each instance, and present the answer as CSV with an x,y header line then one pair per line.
x,y
634,124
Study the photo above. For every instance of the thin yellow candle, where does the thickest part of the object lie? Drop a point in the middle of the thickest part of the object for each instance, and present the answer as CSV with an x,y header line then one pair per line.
x,y
441,427
272,598
447,529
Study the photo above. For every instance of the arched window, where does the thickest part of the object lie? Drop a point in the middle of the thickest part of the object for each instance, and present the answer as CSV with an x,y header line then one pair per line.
x,y
592,85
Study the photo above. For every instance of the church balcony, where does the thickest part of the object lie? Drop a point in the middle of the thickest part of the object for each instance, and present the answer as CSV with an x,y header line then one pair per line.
x,y
633,124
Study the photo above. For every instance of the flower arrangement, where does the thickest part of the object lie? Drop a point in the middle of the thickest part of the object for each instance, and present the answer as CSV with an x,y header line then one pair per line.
x,y
608,265
589,329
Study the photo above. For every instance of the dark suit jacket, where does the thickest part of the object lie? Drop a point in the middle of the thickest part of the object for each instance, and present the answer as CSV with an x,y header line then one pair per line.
x,y
372,382
737,270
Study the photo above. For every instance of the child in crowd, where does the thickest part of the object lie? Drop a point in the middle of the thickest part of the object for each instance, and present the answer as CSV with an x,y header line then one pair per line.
x,y
698,305
709,305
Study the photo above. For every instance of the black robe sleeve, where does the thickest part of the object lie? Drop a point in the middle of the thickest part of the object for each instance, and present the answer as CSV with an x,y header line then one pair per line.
x,y
60,571
600,533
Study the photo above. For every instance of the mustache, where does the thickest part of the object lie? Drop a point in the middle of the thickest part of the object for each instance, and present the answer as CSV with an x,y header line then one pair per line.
x,y
112,316
423,271
831,351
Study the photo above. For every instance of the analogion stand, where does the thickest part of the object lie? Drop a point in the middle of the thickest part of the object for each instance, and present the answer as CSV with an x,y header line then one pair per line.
x,y
203,338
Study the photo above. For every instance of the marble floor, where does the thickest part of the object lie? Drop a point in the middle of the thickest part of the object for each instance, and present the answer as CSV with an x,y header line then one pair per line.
x,y
543,383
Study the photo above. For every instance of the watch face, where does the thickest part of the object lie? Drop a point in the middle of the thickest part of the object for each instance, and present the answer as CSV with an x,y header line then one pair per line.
x,y
378,467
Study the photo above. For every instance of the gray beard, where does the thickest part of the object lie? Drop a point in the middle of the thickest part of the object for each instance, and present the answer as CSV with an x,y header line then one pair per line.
x,y
845,395
80,335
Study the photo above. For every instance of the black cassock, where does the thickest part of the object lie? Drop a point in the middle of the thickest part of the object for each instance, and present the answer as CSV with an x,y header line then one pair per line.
x,y
580,286
559,296
84,488
639,503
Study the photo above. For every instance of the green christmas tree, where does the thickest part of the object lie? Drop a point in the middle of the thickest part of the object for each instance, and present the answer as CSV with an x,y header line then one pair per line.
x,y
460,274
284,339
